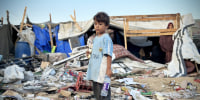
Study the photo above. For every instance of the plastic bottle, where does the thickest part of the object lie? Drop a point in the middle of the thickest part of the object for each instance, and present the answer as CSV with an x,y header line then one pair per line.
x,y
106,85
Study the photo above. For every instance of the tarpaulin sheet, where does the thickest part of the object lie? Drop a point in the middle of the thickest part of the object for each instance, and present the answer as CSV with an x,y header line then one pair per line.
x,y
6,44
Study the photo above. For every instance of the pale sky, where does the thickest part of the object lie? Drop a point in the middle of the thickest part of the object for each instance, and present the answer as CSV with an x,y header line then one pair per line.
x,y
38,10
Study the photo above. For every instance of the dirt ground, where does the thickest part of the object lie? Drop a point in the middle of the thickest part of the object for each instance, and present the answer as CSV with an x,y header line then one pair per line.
x,y
163,84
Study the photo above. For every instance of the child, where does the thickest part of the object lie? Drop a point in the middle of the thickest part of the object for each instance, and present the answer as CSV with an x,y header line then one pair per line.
x,y
101,56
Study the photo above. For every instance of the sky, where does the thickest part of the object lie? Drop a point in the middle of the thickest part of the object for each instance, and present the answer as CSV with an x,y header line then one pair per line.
x,y
38,10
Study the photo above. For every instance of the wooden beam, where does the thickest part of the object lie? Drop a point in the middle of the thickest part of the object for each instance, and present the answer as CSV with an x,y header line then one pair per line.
x,y
8,17
29,25
50,17
21,25
74,14
153,30
178,20
74,20
125,32
144,16
50,34
150,19
148,34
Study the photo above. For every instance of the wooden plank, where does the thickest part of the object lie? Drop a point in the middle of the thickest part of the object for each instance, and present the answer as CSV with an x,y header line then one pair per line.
x,y
50,34
8,16
21,25
29,25
144,16
125,32
153,30
151,19
77,25
178,20
150,34
74,20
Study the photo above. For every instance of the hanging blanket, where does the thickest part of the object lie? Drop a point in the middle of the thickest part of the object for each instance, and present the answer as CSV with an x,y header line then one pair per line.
x,y
183,48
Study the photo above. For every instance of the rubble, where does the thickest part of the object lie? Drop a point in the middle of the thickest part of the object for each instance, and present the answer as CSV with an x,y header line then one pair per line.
x,y
56,83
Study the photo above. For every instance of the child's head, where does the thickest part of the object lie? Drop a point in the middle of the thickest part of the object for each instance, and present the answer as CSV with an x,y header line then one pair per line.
x,y
101,22
102,17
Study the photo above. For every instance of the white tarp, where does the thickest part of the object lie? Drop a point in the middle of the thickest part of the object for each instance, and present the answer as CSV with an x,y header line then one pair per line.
x,y
183,48
30,35
70,29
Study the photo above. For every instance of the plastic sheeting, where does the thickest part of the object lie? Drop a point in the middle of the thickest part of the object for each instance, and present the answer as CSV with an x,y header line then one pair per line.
x,y
63,46
42,39
29,34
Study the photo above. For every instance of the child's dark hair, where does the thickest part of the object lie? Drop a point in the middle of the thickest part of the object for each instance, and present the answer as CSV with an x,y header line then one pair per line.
x,y
170,24
102,17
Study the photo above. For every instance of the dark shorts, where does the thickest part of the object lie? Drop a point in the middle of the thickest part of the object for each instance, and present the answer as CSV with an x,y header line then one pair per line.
x,y
97,91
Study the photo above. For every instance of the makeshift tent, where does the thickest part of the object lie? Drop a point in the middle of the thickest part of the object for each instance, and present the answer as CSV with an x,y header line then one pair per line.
x,y
6,44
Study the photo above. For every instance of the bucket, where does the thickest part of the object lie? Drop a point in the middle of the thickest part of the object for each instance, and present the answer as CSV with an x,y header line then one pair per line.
x,y
83,60
22,49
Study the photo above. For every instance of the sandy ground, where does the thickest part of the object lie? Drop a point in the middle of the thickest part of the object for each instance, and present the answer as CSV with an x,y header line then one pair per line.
x,y
163,84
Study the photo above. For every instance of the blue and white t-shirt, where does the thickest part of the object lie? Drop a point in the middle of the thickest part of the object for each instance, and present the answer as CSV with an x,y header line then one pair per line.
x,y
98,62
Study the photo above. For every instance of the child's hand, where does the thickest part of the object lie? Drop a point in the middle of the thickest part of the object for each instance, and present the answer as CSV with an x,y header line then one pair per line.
x,y
109,73
88,53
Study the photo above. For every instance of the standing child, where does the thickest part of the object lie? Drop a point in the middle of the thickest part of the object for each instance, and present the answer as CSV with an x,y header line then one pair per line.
x,y
101,56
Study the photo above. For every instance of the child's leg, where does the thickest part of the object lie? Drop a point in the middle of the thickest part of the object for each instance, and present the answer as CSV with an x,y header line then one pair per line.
x,y
97,92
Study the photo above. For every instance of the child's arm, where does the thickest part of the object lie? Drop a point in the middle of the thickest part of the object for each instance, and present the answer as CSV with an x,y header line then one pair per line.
x,y
108,70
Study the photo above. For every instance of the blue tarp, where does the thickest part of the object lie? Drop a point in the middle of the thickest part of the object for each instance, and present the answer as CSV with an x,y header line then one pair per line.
x,y
64,46
43,44
41,39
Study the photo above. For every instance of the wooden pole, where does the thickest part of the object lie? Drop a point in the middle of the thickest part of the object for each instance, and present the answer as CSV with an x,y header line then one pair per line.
x,y
8,17
74,14
22,23
125,32
50,34
74,20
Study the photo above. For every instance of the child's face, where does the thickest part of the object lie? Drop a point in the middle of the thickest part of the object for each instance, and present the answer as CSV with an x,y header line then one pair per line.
x,y
100,27
170,26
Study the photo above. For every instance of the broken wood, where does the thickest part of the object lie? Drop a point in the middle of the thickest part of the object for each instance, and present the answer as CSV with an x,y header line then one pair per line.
x,y
8,17
21,25
50,34
74,20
